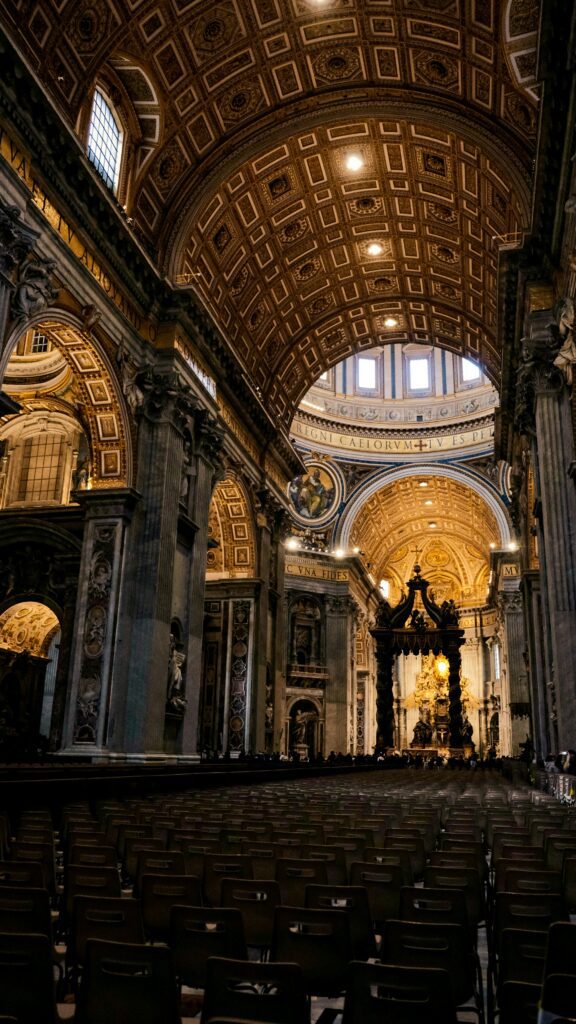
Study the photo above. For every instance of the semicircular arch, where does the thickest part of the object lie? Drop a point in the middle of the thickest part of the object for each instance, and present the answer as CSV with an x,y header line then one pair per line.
x,y
461,475
99,394
232,548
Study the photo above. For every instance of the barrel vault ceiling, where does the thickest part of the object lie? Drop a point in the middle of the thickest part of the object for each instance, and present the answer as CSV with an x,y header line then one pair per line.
x,y
244,114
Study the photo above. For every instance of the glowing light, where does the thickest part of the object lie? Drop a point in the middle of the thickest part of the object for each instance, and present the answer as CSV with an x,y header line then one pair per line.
x,y
432,526
442,666
293,543
339,553
512,546
423,483
428,501
356,551
354,162
374,249
384,586
492,545
390,321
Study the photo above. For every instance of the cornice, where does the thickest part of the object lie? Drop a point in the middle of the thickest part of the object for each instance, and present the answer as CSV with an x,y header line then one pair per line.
x,y
422,430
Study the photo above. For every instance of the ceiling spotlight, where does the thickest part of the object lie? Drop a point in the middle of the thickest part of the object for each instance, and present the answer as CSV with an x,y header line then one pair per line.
x,y
423,483
390,321
354,162
492,545
432,526
356,551
429,501
375,249
339,553
293,543
512,546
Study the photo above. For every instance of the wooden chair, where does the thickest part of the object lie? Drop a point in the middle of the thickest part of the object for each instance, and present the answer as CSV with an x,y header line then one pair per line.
x,y
241,992
127,981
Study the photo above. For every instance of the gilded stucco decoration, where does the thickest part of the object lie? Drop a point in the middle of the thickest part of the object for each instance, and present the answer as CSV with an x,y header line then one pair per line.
x,y
246,114
231,551
454,552
28,627
88,391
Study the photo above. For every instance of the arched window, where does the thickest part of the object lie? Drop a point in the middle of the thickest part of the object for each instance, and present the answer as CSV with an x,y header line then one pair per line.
x,y
105,140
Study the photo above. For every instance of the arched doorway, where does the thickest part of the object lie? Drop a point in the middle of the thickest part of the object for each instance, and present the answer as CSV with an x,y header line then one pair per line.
x,y
29,646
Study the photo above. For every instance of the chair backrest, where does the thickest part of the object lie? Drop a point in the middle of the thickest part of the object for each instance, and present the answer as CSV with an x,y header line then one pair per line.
x,y
158,862
423,944
559,996
127,981
294,875
353,900
97,856
256,899
29,874
198,933
159,893
25,910
528,912
107,918
26,978
384,855
223,865
377,993
84,880
467,879
528,880
41,852
318,940
383,883
441,906
557,848
561,951
273,993
333,856
522,956
569,883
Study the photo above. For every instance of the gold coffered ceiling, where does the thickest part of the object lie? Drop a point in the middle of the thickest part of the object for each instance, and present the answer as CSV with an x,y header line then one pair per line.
x,y
246,112
454,554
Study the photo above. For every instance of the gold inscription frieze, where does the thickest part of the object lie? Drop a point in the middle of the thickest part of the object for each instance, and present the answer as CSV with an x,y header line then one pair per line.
x,y
317,571
66,232
395,446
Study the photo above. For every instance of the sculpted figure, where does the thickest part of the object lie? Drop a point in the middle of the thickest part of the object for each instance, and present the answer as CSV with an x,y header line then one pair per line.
x,y
175,696
34,291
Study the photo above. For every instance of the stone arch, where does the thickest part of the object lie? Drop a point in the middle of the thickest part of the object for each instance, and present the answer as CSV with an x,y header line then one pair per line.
x,y
99,404
462,475
232,545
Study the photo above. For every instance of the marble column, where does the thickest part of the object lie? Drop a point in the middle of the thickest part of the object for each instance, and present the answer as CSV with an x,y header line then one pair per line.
x,y
239,674
337,666
93,664
538,674
206,449
265,525
147,609
543,408
452,652
277,698
384,694
57,721
512,610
